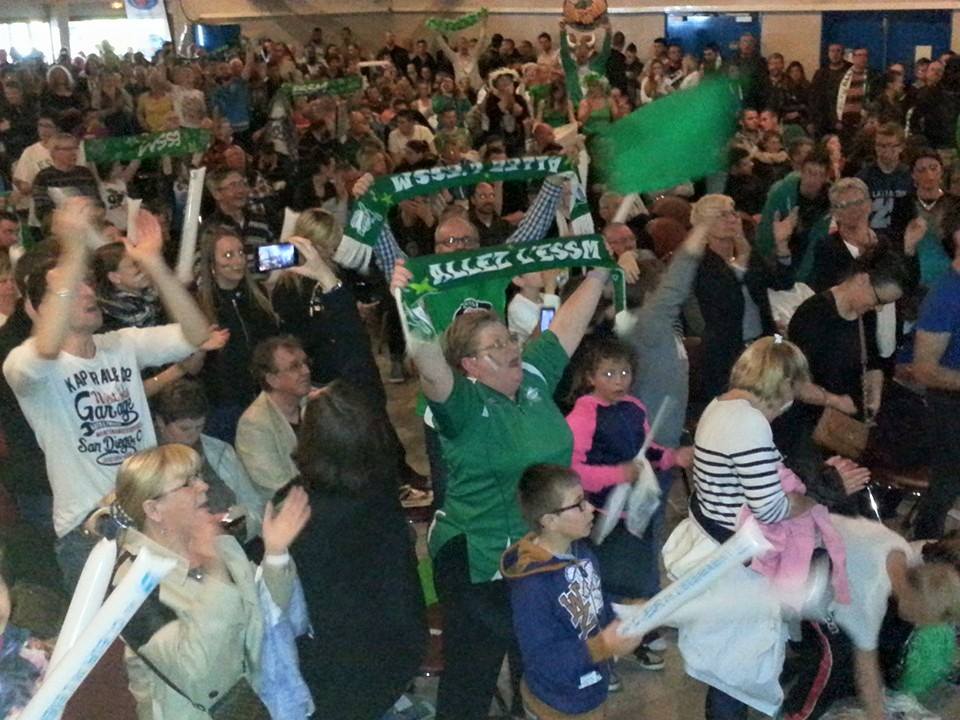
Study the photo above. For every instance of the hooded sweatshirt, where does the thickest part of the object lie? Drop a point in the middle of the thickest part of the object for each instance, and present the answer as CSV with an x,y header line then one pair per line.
x,y
558,613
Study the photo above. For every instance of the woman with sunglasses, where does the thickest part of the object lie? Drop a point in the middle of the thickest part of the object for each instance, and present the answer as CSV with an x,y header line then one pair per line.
x,y
836,330
201,633
493,409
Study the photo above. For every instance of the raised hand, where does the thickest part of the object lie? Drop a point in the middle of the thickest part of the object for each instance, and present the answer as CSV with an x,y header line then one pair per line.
x,y
281,527
149,243
401,276
783,229
912,236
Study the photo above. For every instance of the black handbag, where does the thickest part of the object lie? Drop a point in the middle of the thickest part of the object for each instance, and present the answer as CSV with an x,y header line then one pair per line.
x,y
240,702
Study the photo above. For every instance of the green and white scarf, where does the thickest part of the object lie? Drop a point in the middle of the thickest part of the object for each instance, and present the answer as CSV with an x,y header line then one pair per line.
x,y
448,285
183,141
441,25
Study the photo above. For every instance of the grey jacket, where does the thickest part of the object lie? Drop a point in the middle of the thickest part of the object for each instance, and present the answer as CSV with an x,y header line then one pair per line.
x,y
662,365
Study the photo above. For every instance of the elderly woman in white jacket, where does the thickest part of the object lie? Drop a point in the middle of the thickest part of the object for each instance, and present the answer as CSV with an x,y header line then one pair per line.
x,y
199,635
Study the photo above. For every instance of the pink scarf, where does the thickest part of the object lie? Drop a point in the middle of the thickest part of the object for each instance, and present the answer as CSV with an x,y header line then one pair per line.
x,y
794,540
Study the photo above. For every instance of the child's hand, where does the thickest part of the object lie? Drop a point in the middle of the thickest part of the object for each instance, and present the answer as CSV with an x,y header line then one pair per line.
x,y
619,645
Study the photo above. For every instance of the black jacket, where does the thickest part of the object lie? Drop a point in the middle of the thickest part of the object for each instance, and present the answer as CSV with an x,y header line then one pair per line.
x,y
718,292
332,333
356,561
23,471
226,373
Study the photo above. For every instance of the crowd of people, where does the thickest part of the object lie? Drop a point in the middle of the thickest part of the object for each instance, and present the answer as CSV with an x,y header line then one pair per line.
x,y
234,419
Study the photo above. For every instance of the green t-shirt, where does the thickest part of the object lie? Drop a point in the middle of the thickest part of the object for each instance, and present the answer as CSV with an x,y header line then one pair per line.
x,y
488,440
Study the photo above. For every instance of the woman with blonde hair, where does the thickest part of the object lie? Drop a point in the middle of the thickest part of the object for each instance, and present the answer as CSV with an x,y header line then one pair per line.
x,y
231,298
731,290
198,639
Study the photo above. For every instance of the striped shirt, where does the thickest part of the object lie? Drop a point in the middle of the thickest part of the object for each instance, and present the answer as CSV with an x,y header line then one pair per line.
x,y
735,463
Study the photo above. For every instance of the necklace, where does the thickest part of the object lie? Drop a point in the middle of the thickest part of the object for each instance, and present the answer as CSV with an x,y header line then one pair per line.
x,y
929,205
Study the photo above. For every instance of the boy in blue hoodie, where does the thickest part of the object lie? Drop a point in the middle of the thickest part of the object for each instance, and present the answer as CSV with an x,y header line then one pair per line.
x,y
566,630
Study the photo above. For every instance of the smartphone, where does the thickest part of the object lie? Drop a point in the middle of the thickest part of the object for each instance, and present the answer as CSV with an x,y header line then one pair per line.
x,y
276,257
546,317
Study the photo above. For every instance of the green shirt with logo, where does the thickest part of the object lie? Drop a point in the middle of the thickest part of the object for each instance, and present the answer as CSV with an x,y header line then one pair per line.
x,y
488,440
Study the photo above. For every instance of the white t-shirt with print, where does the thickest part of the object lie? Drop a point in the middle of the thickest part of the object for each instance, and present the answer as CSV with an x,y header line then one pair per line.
x,y
89,414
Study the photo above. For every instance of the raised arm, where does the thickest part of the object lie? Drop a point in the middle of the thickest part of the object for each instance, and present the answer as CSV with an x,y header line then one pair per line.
x,y
539,217
180,306
436,376
73,228
574,315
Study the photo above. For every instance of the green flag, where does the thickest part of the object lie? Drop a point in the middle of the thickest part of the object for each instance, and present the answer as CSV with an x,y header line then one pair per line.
x,y
335,86
445,286
462,23
371,209
183,141
673,140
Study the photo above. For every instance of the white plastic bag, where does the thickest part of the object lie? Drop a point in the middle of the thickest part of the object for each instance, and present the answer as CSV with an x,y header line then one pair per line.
x,y
644,499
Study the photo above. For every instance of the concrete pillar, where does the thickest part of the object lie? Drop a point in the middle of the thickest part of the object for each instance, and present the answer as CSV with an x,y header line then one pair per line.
x,y
60,25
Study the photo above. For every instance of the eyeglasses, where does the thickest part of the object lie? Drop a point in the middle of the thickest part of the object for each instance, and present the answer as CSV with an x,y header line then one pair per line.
x,y
611,374
843,205
189,482
512,340
580,505
464,241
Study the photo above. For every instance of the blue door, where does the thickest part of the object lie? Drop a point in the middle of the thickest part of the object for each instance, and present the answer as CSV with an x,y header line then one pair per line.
x,y
908,30
890,37
694,32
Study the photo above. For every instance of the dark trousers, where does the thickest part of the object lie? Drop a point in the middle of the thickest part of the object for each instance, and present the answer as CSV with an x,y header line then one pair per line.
x,y
943,429
477,633
720,706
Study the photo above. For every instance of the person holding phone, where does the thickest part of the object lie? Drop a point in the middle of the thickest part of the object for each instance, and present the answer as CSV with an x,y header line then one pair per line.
x,y
536,301
230,297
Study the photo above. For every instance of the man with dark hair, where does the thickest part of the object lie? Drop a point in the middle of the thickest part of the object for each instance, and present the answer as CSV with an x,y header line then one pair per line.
x,y
82,392
824,86
750,69
797,214
935,113
547,54
890,184
617,63
267,431
407,129
857,86
394,53
658,50
712,61
422,58
746,189
10,236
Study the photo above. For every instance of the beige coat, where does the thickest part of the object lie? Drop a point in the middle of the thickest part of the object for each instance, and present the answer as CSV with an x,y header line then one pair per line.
x,y
265,442
215,638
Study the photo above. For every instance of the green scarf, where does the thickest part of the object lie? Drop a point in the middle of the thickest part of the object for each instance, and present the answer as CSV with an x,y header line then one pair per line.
x,y
448,285
184,141
370,211
448,26
336,86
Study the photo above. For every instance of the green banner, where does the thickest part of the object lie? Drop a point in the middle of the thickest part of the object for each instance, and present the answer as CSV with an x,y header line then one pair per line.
x,y
651,148
184,141
336,86
447,285
370,211
462,23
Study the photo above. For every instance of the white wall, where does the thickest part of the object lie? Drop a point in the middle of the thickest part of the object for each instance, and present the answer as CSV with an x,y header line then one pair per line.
x,y
795,35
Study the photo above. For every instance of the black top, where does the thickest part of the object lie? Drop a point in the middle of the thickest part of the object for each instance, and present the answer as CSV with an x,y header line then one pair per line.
x,y
226,372
356,561
23,471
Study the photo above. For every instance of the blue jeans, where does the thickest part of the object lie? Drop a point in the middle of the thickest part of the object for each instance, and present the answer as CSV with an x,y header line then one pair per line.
x,y
630,565
720,706
72,552
37,510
